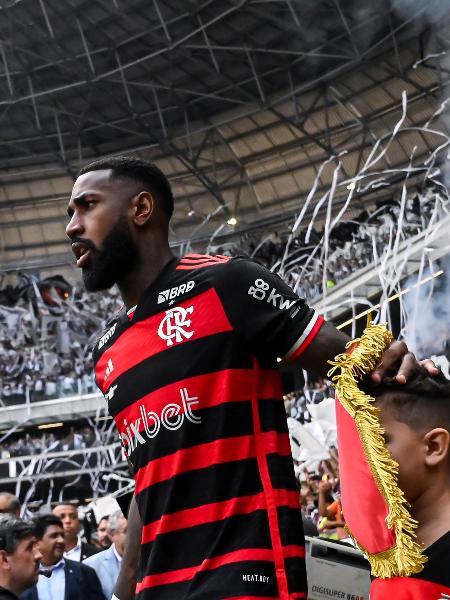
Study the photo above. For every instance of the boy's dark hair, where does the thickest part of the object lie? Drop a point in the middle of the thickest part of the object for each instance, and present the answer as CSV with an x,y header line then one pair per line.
x,y
12,531
422,403
139,171
43,522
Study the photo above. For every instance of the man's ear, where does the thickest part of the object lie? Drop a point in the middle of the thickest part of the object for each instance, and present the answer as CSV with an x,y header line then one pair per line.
x,y
143,206
437,444
4,562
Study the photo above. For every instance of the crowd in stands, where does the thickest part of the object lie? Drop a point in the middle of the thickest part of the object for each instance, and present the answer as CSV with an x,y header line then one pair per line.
x,y
317,478
47,329
36,443
352,244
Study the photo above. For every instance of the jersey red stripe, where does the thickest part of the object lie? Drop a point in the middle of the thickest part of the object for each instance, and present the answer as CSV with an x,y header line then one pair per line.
x,y
216,258
145,337
205,455
213,389
293,551
202,260
216,511
249,554
182,267
207,513
271,502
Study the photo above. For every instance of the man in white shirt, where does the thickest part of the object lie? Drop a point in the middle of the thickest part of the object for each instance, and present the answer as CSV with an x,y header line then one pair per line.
x,y
66,580
107,563
75,548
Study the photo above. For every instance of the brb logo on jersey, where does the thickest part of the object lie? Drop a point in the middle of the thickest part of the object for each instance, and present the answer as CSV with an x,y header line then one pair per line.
x,y
174,292
175,325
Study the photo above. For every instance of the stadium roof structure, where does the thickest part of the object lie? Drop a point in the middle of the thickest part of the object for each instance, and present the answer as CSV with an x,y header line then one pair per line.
x,y
240,102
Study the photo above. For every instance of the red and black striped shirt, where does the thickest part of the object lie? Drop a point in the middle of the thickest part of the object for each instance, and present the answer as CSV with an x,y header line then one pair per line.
x,y
191,380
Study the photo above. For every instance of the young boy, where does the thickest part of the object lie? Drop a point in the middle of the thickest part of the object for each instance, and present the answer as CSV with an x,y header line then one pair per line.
x,y
416,420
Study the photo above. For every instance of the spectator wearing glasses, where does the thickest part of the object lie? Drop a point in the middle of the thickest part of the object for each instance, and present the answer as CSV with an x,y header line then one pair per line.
x,y
19,557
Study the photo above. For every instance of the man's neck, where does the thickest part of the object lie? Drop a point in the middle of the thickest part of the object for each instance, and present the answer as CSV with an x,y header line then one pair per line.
x,y
9,584
143,275
432,511
49,562
71,544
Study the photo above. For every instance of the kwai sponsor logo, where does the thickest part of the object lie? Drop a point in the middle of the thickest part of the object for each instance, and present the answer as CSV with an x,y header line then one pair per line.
x,y
261,290
150,423
174,292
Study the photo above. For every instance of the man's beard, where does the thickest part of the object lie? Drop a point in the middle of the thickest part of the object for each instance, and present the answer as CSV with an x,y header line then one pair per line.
x,y
116,258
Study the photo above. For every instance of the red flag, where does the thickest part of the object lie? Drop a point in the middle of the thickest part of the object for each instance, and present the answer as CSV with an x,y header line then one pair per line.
x,y
374,507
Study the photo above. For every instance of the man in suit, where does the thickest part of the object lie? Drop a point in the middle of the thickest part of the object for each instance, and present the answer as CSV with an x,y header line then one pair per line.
x,y
75,548
107,563
65,579
19,557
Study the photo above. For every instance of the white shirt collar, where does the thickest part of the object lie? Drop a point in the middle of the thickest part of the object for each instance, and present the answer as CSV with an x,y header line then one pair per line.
x,y
76,551
59,564
116,554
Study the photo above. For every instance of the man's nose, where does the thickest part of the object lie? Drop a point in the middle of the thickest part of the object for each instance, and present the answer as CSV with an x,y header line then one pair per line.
x,y
74,227
37,555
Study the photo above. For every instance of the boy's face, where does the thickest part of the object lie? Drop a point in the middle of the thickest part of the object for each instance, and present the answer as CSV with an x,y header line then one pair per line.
x,y
407,449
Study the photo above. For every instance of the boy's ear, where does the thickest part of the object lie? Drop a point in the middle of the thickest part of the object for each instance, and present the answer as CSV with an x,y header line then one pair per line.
x,y
437,446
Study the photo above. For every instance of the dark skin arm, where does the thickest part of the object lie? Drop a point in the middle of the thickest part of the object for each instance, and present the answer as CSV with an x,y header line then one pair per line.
x,y
126,581
396,362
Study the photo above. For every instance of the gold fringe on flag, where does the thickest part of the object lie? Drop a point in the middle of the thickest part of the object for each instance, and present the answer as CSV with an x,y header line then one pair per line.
x,y
406,557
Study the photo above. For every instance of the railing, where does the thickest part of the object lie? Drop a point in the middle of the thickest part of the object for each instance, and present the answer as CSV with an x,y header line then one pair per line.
x,y
65,408
49,465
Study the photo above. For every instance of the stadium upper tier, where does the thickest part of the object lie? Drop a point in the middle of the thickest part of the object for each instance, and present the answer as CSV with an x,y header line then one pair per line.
x,y
243,104
48,327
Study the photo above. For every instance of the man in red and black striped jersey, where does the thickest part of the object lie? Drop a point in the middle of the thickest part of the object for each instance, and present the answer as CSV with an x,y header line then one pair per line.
x,y
189,371
416,421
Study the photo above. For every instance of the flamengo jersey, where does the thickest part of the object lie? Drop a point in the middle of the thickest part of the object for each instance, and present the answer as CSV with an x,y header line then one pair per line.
x,y
191,380
432,583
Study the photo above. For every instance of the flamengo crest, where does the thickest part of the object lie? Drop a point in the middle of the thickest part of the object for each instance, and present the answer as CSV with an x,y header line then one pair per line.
x,y
174,325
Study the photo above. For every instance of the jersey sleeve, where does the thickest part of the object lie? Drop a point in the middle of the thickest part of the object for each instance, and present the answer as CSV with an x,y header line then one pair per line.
x,y
265,311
